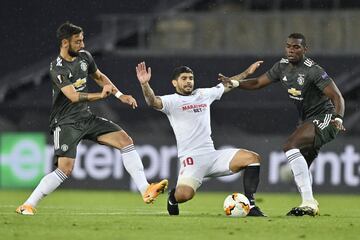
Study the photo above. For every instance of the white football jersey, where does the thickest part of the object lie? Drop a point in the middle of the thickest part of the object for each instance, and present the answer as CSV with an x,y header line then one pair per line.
x,y
189,117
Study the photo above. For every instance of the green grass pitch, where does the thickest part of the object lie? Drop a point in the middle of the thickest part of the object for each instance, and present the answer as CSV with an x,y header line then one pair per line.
x,y
67,214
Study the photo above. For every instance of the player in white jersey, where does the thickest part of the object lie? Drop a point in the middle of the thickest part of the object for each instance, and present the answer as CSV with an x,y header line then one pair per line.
x,y
188,111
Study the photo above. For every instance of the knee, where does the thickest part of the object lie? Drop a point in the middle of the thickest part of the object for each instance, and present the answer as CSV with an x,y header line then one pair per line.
x,y
66,166
288,145
66,169
243,160
126,140
253,157
256,157
182,195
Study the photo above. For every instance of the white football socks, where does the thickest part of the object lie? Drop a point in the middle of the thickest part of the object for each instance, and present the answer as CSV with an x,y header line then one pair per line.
x,y
133,165
46,186
301,173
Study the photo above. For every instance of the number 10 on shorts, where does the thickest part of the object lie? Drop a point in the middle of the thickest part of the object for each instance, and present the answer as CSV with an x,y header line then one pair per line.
x,y
188,161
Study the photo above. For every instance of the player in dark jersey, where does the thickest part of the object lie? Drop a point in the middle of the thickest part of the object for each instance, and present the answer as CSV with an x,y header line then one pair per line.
x,y
320,106
71,119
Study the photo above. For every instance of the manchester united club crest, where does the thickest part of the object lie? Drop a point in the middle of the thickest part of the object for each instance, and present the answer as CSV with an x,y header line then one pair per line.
x,y
64,147
83,66
301,79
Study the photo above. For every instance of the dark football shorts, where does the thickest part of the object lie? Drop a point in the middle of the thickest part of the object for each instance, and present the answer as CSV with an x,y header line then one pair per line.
x,y
68,136
325,132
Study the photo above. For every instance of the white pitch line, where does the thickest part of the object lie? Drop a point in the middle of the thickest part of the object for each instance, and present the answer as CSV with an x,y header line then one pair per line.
x,y
6,206
120,213
60,207
103,213
95,213
117,211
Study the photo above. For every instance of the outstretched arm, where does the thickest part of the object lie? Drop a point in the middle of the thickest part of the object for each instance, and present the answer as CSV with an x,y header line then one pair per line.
x,y
337,99
240,80
144,76
101,79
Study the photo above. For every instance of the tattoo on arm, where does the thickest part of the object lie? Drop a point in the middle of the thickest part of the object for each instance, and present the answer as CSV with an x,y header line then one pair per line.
x,y
148,94
83,97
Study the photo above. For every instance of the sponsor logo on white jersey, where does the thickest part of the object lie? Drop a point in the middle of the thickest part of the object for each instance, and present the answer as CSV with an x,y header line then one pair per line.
x,y
195,107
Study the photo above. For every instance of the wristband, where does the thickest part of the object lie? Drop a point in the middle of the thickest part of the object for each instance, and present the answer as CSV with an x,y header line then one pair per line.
x,y
235,83
118,94
339,120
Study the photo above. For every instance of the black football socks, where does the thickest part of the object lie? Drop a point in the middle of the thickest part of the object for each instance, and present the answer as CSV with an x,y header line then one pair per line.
x,y
251,182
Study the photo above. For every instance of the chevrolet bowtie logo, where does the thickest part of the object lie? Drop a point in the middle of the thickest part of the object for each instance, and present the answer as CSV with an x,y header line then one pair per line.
x,y
294,92
80,82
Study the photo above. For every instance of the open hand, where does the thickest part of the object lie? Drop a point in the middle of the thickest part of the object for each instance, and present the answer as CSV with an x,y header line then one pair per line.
x,y
251,69
223,78
141,73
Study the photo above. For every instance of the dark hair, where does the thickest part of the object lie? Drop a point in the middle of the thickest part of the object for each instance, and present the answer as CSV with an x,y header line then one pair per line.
x,y
67,30
179,70
298,36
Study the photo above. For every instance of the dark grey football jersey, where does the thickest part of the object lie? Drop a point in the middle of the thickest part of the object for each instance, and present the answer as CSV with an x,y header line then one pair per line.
x,y
304,83
64,73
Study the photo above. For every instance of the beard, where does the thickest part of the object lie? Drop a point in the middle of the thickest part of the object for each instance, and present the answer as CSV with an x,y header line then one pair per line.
x,y
72,53
187,91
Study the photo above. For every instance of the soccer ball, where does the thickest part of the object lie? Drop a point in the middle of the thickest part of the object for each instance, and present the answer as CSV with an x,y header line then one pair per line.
x,y
236,205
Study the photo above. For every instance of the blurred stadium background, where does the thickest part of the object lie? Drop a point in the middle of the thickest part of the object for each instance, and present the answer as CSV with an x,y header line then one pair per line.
x,y
210,36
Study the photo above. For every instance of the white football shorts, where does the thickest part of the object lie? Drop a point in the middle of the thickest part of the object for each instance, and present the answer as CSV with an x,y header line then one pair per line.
x,y
213,164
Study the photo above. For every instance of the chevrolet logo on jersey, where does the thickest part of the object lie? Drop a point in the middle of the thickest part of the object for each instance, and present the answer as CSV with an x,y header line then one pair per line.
x,y
294,92
80,83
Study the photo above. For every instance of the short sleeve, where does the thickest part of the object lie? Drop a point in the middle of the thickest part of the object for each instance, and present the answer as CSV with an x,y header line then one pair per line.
x,y
167,102
60,76
92,65
214,93
274,73
321,78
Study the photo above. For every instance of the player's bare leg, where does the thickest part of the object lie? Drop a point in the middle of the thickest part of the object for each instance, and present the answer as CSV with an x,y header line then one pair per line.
x,y
181,194
133,165
250,161
303,137
184,193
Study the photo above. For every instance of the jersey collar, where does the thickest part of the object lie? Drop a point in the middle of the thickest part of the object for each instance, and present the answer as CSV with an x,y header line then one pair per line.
x,y
183,94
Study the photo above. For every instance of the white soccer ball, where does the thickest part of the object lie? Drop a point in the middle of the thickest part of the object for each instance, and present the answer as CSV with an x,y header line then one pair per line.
x,y
236,205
